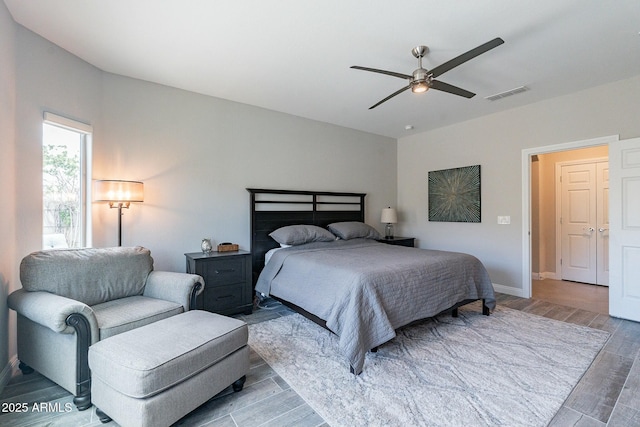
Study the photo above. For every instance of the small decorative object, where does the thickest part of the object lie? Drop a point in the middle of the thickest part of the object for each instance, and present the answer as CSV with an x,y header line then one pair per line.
x,y
227,247
390,217
206,246
454,195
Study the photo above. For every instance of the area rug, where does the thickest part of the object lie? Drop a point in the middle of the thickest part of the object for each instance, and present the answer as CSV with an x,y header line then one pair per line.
x,y
511,369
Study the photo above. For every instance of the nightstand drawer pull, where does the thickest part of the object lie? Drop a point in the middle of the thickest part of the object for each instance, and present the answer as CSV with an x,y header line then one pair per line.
x,y
228,270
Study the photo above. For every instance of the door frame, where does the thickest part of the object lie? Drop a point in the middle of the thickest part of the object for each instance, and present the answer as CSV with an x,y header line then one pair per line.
x,y
558,172
527,153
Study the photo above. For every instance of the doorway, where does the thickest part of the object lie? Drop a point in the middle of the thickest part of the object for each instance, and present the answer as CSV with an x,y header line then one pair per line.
x,y
539,213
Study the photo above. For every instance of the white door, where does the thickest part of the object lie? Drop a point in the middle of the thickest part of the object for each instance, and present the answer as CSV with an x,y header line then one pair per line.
x,y
585,222
578,221
602,219
624,241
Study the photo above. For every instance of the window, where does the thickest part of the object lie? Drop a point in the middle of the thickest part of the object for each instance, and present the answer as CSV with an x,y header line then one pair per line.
x,y
66,150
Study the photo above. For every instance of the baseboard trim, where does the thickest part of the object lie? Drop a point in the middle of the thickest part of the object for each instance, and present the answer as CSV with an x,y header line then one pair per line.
x,y
544,275
510,290
7,372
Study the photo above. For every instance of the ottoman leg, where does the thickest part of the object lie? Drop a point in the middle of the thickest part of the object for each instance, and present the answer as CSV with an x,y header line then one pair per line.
x,y
237,386
26,369
104,418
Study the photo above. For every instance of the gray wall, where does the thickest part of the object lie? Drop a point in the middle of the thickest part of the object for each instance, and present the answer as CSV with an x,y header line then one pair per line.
x,y
496,143
7,187
197,155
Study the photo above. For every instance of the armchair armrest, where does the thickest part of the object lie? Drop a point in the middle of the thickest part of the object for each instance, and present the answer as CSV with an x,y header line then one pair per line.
x,y
66,316
181,288
52,310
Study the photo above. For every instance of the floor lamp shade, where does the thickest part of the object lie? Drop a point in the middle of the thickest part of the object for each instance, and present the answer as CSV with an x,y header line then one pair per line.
x,y
115,191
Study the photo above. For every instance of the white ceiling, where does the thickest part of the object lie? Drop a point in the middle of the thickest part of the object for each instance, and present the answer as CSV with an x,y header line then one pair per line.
x,y
294,56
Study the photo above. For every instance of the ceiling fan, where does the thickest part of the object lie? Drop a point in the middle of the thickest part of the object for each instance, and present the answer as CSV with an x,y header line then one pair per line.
x,y
422,79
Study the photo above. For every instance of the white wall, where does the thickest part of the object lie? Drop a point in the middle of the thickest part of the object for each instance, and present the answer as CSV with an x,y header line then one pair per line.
x,y
8,269
496,143
197,155
48,79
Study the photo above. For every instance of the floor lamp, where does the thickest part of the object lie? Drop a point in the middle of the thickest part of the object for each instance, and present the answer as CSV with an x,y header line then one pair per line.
x,y
119,194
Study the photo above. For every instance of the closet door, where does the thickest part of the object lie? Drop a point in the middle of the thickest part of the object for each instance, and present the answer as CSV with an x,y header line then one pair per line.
x,y
579,249
585,222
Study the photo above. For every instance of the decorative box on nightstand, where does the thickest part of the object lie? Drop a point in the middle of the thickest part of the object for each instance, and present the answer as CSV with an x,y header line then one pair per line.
x,y
227,281
400,241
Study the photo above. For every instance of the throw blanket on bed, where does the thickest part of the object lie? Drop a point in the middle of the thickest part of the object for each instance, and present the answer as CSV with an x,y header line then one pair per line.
x,y
364,289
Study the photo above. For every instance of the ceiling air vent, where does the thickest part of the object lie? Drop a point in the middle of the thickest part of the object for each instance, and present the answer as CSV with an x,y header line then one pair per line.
x,y
507,93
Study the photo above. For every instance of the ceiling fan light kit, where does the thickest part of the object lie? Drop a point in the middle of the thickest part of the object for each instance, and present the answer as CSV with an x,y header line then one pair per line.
x,y
419,87
422,79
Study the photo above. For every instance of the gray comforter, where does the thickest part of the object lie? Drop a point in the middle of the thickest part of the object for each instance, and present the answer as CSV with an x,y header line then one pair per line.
x,y
365,290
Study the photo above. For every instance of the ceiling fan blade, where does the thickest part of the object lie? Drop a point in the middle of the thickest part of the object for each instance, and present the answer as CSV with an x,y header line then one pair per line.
x,y
446,87
459,60
388,73
390,96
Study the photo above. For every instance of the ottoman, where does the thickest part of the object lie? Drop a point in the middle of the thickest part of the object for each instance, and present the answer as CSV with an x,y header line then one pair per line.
x,y
156,374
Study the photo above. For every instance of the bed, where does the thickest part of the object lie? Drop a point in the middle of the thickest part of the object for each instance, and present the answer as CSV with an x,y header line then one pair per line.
x,y
357,287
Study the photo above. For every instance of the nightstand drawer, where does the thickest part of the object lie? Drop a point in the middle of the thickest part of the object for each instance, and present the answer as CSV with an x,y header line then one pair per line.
x,y
224,271
222,299
227,281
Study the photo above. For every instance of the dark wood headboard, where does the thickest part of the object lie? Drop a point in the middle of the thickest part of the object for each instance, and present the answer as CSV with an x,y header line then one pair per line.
x,y
272,209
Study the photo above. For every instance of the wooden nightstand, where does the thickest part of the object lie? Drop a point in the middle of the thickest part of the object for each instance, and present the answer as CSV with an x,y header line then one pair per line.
x,y
400,241
227,281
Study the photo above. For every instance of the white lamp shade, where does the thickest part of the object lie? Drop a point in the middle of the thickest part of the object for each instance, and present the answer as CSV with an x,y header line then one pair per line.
x,y
118,191
389,216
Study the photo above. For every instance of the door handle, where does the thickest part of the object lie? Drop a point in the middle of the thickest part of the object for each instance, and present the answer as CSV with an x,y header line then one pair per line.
x,y
602,229
589,229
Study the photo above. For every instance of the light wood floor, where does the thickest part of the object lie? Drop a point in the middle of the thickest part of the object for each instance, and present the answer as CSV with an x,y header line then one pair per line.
x,y
608,395
572,294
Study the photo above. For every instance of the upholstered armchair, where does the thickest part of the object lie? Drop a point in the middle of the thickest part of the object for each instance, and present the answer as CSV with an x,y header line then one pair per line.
x,y
73,298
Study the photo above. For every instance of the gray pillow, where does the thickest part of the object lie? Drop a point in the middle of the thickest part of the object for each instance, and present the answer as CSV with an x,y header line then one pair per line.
x,y
354,230
301,234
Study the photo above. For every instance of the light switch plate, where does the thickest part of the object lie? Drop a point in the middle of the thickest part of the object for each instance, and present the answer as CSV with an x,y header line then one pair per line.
x,y
503,220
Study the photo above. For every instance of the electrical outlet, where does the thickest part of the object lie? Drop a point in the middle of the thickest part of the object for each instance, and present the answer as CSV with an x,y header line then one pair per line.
x,y
504,220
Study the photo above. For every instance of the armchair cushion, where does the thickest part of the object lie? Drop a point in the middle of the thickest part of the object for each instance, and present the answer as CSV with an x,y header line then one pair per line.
x,y
124,314
105,274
